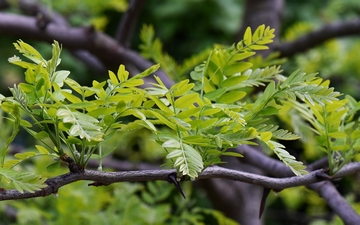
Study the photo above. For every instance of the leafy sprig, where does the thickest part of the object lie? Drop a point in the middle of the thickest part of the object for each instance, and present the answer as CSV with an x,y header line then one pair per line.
x,y
195,123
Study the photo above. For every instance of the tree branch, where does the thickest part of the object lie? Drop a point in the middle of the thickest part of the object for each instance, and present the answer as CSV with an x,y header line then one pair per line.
x,y
99,44
128,21
35,9
325,188
258,12
148,175
340,206
310,40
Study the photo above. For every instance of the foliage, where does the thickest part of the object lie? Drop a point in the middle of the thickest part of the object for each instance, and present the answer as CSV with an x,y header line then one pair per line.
x,y
87,12
152,48
203,119
335,59
217,22
149,203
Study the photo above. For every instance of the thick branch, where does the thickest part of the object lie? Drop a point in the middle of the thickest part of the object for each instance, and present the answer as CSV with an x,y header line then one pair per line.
x,y
325,188
128,21
35,9
314,38
148,175
340,206
258,12
99,44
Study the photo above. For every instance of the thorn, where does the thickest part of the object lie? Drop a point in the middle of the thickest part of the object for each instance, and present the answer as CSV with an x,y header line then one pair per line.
x,y
98,184
266,192
172,178
56,195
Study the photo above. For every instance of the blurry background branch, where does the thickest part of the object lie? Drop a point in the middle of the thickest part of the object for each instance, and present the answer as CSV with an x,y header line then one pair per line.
x,y
324,188
319,36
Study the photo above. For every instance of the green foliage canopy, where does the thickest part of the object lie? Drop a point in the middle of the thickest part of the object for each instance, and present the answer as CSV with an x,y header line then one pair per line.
x,y
195,123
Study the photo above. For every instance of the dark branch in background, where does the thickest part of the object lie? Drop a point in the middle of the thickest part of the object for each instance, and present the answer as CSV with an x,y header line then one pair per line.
x,y
325,188
314,38
100,45
106,178
44,16
341,207
125,30
258,12
4,4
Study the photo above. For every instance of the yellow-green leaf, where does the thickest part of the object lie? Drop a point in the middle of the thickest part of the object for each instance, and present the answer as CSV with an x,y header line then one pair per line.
x,y
247,36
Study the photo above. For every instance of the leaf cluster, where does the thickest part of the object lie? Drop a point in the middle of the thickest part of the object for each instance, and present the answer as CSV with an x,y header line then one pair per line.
x,y
195,123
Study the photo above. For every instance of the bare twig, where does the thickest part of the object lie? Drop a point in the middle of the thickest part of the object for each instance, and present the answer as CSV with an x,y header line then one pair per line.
x,y
128,21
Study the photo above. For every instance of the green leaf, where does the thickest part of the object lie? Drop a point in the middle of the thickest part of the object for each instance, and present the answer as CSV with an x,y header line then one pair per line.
x,y
355,134
265,136
121,106
132,83
296,167
70,97
174,153
234,154
209,123
171,144
42,149
28,51
81,105
164,120
55,59
234,80
259,47
41,135
53,166
24,155
231,97
113,78
247,36
83,125
23,181
269,110
187,101
122,74
147,72
188,113
161,105
213,95
237,68
60,77
181,88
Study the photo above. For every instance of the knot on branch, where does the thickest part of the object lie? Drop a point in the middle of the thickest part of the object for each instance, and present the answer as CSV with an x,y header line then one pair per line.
x,y
323,175
73,167
52,188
